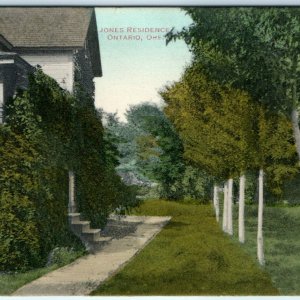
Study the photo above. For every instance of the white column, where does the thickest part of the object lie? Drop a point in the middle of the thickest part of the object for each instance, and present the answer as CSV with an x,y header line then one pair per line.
x,y
242,209
72,204
260,241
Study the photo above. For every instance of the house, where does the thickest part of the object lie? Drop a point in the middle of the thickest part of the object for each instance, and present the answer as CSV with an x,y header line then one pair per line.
x,y
62,40
64,43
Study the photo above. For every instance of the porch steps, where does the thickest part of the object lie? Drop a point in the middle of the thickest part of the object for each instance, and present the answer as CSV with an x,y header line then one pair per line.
x,y
90,237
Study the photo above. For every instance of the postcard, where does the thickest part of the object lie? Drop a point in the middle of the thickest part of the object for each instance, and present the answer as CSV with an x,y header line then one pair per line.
x,y
149,151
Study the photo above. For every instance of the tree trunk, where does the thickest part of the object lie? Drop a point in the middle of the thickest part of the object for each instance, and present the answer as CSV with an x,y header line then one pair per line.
x,y
215,197
225,208
296,130
218,206
229,207
242,209
260,241
216,202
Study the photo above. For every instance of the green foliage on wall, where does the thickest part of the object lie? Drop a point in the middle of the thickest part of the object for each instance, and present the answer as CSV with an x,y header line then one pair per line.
x,y
19,246
47,133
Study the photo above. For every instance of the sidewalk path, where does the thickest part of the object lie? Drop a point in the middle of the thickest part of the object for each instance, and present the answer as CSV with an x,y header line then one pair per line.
x,y
86,273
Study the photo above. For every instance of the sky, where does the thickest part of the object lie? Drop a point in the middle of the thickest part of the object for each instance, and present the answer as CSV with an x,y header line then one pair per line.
x,y
136,62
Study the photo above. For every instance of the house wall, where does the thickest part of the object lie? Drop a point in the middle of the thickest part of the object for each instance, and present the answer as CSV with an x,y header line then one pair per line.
x,y
13,75
94,47
83,70
8,80
8,72
57,64
87,59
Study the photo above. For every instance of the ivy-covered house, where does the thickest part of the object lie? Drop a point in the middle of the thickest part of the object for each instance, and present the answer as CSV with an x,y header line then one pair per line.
x,y
58,184
61,40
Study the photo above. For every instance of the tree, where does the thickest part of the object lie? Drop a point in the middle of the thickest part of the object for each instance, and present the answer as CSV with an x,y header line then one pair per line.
x,y
254,49
111,138
152,151
216,125
159,148
277,161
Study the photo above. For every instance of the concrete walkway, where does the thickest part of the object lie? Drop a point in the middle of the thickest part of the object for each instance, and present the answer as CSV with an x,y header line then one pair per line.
x,y
86,273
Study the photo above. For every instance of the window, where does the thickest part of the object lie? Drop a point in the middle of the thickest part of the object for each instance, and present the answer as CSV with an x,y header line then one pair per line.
x,y
1,102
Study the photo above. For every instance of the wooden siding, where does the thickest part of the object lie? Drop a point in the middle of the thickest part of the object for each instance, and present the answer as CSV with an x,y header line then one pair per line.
x,y
58,65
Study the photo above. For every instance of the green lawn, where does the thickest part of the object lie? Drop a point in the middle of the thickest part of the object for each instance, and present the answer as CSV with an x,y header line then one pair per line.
x,y
282,244
190,256
11,282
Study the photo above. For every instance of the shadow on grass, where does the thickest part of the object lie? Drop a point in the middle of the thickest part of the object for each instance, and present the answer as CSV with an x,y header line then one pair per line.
x,y
176,224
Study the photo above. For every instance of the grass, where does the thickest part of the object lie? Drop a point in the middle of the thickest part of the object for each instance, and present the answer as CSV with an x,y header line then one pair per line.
x,y
190,256
281,243
11,282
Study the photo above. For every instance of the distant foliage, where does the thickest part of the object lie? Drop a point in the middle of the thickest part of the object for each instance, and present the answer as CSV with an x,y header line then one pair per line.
x,y
196,184
151,153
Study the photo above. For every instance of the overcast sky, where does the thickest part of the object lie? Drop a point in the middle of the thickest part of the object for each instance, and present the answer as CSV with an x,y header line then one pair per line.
x,y
135,60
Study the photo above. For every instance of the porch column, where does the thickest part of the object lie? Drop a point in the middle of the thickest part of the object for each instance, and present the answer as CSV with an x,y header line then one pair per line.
x,y
72,204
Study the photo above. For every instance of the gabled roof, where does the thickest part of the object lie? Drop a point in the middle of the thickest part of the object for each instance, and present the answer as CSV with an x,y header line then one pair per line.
x,y
4,43
16,59
43,27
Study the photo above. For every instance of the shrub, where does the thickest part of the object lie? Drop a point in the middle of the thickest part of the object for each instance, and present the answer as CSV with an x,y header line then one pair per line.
x,y
20,244
62,256
19,238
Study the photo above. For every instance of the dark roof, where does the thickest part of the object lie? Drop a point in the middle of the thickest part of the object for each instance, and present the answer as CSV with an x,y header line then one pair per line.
x,y
16,57
32,27
4,43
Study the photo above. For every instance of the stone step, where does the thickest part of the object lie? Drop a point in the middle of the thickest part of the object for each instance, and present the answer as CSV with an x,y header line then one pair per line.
x,y
103,239
98,243
91,235
80,226
74,217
